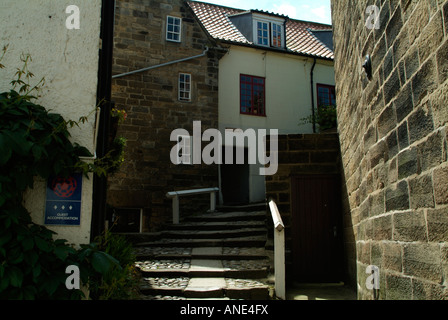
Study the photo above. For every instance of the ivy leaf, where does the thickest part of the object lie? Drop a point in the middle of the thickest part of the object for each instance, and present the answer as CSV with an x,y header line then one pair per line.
x,y
29,293
31,258
36,270
102,262
37,151
42,244
27,243
63,252
51,284
4,238
19,143
5,150
4,283
15,255
15,276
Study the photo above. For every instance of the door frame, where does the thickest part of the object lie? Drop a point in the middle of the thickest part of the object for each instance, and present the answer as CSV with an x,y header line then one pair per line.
x,y
317,271
240,180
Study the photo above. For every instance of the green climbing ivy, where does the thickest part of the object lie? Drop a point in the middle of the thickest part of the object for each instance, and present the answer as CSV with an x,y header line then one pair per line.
x,y
35,143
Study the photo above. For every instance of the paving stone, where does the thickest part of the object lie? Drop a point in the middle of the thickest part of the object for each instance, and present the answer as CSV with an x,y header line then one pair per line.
x,y
207,251
206,265
176,268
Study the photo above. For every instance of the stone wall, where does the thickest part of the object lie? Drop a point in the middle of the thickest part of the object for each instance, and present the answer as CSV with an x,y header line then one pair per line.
x,y
70,69
394,143
150,99
300,154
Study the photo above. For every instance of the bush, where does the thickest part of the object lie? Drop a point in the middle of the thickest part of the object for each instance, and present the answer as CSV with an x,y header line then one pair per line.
x,y
35,142
325,117
121,281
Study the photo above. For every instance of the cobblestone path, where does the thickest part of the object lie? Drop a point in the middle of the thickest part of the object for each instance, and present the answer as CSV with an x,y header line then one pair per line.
x,y
211,256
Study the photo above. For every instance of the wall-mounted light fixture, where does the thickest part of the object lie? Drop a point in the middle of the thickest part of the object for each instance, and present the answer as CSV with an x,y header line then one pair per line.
x,y
368,67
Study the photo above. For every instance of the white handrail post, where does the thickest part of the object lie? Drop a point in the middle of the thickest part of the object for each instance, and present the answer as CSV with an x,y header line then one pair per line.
x,y
279,264
176,209
212,201
175,195
279,252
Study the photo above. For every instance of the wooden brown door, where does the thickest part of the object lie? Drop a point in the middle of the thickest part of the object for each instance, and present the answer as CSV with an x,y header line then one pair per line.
x,y
316,228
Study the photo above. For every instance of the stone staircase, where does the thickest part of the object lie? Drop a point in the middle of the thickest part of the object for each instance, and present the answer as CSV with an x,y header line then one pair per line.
x,y
217,255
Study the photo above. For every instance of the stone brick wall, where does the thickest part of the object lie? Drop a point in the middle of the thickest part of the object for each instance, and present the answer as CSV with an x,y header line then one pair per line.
x,y
300,154
394,143
150,99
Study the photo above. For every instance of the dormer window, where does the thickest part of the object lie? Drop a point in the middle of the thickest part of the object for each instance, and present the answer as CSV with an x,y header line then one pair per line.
x,y
260,28
268,31
262,33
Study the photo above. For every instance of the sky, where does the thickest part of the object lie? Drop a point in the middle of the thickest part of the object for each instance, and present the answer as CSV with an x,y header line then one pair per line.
x,y
315,10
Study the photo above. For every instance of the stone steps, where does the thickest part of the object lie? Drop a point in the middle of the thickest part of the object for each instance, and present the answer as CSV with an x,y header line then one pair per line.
x,y
250,241
204,288
214,226
204,268
234,217
212,256
220,253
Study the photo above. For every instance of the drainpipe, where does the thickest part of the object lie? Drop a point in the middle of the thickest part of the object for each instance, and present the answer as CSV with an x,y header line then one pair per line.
x,y
162,65
312,96
103,117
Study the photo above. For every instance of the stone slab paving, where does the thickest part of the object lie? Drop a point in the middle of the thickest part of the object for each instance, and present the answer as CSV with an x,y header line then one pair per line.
x,y
206,265
155,251
207,251
184,287
150,265
205,288
206,262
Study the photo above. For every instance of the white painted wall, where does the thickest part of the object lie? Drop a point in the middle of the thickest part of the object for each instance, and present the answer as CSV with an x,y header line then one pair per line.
x,y
288,88
68,60
288,95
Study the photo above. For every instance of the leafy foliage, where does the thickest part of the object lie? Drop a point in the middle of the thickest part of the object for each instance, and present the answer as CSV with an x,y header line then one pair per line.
x,y
120,281
115,157
35,142
326,118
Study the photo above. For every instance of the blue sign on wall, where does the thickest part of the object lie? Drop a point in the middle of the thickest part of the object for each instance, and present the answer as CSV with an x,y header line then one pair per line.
x,y
63,203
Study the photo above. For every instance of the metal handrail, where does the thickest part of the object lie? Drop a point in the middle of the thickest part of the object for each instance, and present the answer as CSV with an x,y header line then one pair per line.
x,y
279,251
176,194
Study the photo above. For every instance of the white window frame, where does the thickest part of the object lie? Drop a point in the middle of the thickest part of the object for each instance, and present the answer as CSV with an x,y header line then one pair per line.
x,y
262,29
282,35
184,91
185,143
173,32
270,21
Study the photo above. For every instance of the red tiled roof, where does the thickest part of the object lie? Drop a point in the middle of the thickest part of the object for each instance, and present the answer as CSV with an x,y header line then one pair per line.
x,y
299,39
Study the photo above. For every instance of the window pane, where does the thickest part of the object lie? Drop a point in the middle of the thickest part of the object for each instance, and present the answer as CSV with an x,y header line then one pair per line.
x,y
173,29
262,33
276,36
326,95
184,87
252,95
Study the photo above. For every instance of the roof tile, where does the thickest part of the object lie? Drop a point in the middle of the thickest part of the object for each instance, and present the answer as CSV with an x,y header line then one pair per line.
x,y
299,38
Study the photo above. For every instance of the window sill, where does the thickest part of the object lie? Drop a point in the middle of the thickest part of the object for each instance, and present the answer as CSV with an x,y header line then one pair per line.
x,y
253,114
